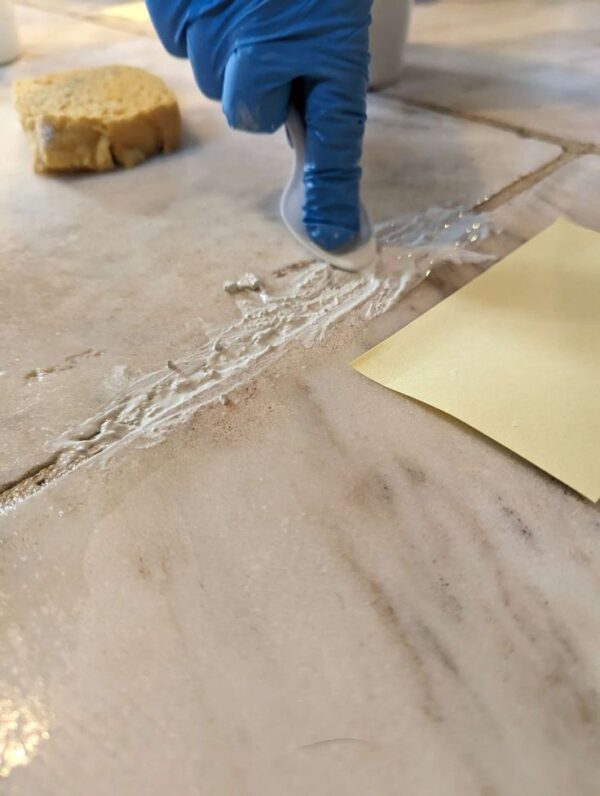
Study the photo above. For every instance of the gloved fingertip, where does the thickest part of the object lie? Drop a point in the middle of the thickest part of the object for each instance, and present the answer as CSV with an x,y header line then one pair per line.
x,y
329,237
252,99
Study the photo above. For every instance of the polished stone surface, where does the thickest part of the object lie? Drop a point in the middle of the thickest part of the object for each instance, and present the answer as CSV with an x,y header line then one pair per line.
x,y
320,588
49,33
532,65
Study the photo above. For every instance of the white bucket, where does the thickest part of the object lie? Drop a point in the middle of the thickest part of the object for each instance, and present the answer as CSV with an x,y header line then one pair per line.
x,y
389,31
10,46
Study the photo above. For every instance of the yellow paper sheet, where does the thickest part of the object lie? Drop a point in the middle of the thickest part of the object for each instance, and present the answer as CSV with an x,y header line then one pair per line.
x,y
516,355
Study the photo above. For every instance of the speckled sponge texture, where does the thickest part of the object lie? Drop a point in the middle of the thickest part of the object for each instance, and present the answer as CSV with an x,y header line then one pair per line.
x,y
95,119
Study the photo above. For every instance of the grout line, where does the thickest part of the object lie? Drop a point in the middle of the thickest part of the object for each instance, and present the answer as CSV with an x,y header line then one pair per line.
x,y
118,23
524,183
46,9
111,23
26,485
128,26
571,150
30,482
573,147
132,28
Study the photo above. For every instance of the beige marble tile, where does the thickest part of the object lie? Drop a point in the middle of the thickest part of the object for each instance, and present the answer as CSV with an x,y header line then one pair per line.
x,y
47,34
322,588
80,8
106,277
532,65
128,16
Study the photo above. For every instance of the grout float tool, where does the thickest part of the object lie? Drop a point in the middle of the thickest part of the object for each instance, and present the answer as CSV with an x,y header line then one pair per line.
x,y
362,253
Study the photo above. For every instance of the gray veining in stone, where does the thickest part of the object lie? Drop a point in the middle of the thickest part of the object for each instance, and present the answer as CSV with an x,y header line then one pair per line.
x,y
321,587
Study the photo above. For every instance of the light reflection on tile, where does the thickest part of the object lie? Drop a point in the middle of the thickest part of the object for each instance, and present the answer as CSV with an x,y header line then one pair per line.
x,y
24,725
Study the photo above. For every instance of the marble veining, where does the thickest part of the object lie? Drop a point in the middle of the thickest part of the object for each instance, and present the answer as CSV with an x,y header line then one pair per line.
x,y
317,586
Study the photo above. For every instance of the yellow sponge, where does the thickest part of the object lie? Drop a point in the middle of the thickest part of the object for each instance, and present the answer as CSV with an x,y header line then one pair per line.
x,y
94,119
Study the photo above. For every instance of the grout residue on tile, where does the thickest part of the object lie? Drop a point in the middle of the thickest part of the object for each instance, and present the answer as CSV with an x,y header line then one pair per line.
x,y
312,300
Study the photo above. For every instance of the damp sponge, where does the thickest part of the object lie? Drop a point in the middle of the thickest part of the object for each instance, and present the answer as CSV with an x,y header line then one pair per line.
x,y
95,119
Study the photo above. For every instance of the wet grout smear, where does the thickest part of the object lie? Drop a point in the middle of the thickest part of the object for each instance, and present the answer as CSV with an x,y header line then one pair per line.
x,y
70,362
299,308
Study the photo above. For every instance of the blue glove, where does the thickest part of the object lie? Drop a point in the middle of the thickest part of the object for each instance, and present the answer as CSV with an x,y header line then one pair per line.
x,y
258,56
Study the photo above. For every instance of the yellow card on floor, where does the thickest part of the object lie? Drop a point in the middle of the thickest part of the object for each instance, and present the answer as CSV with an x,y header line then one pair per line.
x,y
516,355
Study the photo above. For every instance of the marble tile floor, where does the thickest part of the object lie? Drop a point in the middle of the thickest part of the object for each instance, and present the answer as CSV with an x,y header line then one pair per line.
x,y
320,587
526,65
199,218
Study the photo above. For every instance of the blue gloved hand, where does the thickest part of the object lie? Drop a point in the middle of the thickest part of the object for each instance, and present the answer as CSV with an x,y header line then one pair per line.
x,y
258,56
